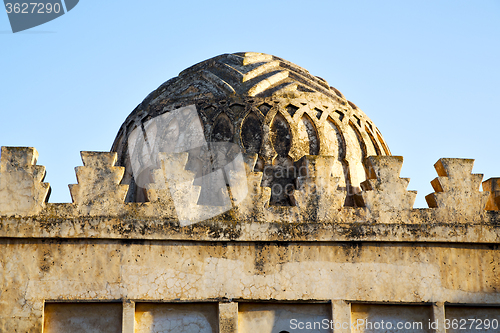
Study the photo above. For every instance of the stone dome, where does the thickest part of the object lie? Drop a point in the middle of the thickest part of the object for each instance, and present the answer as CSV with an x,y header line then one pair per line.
x,y
266,106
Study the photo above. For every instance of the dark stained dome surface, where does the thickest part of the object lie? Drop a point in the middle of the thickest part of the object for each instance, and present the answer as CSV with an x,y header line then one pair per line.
x,y
266,106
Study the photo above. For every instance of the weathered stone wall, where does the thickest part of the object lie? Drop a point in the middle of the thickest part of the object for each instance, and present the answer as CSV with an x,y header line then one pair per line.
x,y
39,271
254,263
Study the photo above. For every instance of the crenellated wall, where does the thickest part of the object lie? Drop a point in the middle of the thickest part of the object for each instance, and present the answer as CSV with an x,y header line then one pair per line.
x,y
162,261
319,197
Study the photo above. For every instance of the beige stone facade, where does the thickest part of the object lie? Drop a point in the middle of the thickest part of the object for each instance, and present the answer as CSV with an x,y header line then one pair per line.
x,y
342,250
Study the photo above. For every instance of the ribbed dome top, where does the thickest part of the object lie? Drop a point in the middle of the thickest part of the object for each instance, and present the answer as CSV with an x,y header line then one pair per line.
x,y
265,105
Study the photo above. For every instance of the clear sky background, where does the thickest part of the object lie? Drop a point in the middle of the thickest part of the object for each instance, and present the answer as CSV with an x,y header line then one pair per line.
x,y
426,72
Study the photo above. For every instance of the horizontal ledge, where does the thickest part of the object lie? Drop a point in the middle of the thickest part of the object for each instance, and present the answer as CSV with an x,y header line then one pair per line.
x,y
420,229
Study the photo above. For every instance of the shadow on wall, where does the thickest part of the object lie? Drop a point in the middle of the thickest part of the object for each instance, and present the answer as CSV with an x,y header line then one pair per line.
x,y
178,318
283,318
149,317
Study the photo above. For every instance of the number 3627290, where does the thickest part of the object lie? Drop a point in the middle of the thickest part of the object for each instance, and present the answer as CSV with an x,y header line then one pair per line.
x,y
32,8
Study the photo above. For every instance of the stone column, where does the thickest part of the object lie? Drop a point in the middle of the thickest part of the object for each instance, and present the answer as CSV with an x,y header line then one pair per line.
x,y
438,317
228,317
341,316
128,316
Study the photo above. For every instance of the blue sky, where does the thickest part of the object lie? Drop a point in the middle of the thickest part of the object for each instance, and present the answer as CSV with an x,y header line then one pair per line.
x,y
426,72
